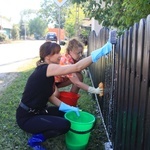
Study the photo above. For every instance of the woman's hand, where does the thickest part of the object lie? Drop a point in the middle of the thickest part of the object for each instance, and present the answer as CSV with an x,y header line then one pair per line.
x,y
97,54
67,108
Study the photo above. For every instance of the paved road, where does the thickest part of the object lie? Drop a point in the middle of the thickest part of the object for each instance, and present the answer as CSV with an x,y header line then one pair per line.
x,y
14,55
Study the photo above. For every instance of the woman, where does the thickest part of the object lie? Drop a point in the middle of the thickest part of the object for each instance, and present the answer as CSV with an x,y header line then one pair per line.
x,y
33,115
74,53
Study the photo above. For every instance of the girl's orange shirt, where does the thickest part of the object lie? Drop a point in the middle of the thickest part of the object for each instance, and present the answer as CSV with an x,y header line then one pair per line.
x,y
66,59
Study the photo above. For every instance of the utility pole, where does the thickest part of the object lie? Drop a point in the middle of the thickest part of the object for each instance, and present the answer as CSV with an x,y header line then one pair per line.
x,y
24,31
59,25
77,20
59,3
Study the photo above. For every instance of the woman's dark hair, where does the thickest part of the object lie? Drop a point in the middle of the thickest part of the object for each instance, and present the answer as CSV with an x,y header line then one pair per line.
x,y
48,48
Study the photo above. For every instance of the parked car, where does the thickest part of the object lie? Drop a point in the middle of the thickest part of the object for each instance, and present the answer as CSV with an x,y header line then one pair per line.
x,y
51,36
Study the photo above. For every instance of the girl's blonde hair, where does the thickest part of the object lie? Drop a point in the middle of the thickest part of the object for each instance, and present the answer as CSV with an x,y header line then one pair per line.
x,y
73,44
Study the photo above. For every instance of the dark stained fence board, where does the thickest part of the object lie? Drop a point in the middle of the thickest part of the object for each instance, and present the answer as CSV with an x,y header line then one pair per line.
x,y
133,82
139,101
91,42
120,103
116,106
125,72
123,87
91,47
129,104
145,85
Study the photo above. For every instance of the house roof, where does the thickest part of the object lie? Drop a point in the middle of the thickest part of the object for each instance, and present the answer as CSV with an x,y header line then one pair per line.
x,y
86,22
4,23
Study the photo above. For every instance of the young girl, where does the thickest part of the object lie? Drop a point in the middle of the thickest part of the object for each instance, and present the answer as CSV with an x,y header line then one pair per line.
x,y
74,52
33,115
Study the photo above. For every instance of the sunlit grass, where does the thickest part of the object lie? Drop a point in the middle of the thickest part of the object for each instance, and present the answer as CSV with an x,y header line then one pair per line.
x,y
12,137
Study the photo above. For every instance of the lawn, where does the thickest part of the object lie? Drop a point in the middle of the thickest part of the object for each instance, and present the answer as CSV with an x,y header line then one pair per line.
x,y
12,137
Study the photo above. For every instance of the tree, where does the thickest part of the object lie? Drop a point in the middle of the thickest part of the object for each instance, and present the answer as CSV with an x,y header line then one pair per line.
x,y
74,20
26,16
50,12
134,10
2,37
24,29
15,32
32,24
37,27
120,14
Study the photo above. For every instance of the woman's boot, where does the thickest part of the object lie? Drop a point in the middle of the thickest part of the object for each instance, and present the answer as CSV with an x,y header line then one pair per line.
x,y
35,142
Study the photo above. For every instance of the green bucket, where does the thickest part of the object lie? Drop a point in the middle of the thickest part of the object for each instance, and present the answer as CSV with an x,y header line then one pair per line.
x,y
78,136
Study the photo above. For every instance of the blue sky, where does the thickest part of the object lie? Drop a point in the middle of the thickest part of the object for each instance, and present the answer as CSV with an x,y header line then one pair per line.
x,y
12,8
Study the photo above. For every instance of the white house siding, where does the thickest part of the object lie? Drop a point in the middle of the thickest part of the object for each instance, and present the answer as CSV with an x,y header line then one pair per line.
x,y
95,25
5,27
5,23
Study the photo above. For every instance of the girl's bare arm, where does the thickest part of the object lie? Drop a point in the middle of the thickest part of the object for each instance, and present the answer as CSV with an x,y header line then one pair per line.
x,y
54,100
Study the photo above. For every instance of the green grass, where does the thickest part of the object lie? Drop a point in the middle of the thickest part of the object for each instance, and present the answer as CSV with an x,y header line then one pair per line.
x,y
12,137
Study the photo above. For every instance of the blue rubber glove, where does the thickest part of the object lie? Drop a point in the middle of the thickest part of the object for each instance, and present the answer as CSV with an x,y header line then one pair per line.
x,y
97,54
66,108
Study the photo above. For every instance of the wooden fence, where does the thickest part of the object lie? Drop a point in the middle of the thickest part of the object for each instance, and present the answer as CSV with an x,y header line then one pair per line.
x,y
125,72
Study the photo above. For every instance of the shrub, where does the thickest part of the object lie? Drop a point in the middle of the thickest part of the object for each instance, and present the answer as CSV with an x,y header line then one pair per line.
x,y
2,37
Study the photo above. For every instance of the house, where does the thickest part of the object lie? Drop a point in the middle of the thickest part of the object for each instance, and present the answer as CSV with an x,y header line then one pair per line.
x,y
86,23
95,26
5,27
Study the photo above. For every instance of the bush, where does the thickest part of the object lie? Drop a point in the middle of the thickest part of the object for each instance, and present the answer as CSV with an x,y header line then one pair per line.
x,y
2,37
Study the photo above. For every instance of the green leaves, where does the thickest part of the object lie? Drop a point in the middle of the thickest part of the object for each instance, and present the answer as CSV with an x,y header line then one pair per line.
x,y
120,14
38,26
73,21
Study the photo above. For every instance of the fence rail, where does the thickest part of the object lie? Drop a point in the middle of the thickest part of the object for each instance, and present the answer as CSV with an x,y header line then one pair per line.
x,y
126,74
